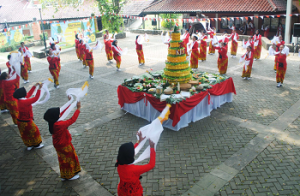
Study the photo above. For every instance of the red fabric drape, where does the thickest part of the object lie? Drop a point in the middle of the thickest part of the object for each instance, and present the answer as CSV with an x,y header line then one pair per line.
x,y
223,88
186,105
177,110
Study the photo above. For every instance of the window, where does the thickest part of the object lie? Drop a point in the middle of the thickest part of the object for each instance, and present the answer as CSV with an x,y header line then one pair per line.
x,y
46,26
224,22
238,23
267,21
274,23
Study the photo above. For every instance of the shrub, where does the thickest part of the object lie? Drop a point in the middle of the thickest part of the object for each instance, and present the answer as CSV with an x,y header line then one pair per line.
x,y
42,36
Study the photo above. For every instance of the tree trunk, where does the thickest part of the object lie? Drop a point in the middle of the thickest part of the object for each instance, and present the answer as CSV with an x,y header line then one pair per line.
x,y
116,6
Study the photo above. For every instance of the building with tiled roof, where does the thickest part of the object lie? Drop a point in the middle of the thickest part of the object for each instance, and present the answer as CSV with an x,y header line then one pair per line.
x,y
207,6
21,12
238,10
135,7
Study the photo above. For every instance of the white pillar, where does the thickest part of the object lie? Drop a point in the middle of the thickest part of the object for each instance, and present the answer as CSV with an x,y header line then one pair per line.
x,y
256,21
217,22
288,22
158,21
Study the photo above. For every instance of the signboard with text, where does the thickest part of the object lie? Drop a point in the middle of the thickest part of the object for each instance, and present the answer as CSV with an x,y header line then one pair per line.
x,y
64,32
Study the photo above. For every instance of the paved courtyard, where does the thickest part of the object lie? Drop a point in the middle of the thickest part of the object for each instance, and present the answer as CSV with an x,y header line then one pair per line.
x,y
247,147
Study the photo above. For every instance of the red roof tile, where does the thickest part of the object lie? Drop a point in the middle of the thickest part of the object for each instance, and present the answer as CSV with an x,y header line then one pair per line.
x,y
165,6
17,11
135,7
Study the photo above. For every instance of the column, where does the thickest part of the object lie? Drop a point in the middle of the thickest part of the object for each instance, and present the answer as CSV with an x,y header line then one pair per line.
x,y
158,22
288,22
36,28
217,22
256,21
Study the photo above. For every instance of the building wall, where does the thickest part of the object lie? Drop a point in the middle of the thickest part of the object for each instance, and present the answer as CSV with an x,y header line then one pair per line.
x,y
36,29
26,32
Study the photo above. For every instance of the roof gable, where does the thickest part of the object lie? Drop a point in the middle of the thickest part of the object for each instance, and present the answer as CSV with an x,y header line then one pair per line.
x,y
135,7
18,11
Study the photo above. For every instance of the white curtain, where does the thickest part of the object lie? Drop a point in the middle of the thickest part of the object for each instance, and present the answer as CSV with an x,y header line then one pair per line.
x,y
202,110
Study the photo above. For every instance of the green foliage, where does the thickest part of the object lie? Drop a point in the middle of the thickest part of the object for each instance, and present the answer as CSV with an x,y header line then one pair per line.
x,y
59,30
42,36
168,24
27,38
10,48
109,21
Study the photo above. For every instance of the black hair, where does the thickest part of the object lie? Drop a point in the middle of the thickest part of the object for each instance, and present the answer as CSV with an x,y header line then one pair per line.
x,y
76,36
258,31
8,56
114,43
225,31
22,43
80,41
137,37
52,46
224,43
195,37
3,76
250,47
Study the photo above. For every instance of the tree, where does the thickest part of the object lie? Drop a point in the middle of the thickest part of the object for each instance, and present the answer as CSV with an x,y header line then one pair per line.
x,y
112,22
168,24
106,7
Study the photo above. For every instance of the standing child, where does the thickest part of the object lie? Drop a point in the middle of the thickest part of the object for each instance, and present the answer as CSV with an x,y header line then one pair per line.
x,y
62,141
139,49
203,46
223,58
29,132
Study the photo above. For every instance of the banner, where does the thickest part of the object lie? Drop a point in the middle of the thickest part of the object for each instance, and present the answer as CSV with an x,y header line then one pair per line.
x,y
11,37
65,31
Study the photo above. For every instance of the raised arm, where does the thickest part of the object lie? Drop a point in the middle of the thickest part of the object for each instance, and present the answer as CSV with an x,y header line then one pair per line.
x,y
12,82
140,169
29,94
73,119
34,99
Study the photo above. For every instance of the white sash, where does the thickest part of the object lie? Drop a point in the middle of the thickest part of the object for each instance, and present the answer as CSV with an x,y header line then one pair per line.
x,y
76,92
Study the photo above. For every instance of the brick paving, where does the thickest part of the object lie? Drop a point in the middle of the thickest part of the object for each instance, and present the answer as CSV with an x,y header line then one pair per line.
x,y
275,171
30,175
294,127
183,157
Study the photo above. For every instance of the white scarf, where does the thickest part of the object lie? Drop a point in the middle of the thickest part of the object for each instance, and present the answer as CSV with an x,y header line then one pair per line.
x,y
76,92
120,51
143,38
246,45
153,132
44,90
165,39
285,51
